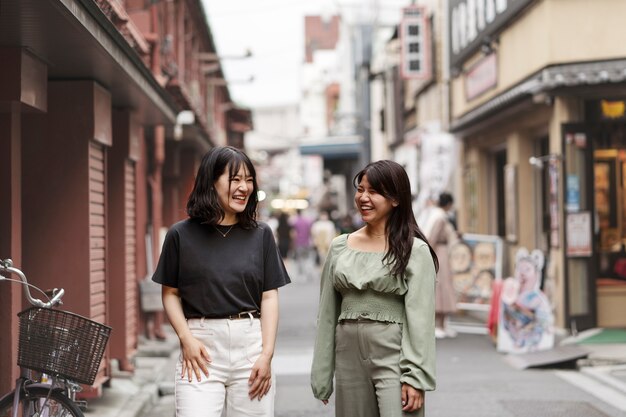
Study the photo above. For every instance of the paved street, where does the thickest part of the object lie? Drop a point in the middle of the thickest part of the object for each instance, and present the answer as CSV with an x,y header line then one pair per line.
x,y
473,379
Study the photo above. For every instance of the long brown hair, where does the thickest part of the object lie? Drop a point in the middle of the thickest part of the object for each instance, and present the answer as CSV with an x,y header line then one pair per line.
x,y
390,180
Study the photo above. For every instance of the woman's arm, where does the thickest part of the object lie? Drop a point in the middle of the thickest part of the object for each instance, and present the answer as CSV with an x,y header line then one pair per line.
x,y
195,355
417,358
323,366
260,379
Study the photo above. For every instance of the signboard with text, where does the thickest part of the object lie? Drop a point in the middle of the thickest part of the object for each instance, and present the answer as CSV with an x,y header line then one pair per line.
x,y
481,77
474,22
578,230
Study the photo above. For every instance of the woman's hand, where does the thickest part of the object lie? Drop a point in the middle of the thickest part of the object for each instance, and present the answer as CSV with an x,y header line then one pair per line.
x,y
195,358
260,380
412,398
195,355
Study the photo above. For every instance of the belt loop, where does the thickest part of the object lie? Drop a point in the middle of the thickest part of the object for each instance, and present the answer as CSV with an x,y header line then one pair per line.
x,y
249,313
202,322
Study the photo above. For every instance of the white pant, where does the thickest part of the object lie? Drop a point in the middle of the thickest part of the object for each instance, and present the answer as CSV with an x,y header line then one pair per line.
x,y
234,346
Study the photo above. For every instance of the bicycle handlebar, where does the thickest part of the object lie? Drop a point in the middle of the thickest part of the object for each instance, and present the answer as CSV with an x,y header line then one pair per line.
x,y
7,265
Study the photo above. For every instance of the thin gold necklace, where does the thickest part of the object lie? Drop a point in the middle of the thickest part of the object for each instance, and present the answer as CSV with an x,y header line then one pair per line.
x,y
227,232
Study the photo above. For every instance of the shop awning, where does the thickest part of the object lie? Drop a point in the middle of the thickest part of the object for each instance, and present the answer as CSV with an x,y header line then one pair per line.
x,y
76,40
335,147
583,79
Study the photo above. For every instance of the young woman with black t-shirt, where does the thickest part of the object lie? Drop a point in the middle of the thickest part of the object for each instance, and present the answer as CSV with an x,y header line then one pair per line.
x,y
220,270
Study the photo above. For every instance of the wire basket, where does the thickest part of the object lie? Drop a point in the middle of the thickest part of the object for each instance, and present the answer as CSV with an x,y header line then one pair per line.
x,y
61,343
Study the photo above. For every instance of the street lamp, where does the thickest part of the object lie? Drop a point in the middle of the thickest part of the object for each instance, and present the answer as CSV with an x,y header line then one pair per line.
x,y
537,161
185,117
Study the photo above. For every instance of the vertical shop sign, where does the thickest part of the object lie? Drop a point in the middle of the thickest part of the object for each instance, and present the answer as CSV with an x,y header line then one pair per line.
x,y
471,197
510,202
415,44
553,175
437,163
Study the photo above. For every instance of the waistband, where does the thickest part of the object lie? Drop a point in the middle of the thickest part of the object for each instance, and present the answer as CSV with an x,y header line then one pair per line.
x,y
253,314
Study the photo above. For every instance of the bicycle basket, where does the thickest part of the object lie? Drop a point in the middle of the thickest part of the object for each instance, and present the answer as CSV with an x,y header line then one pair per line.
x,y
61,343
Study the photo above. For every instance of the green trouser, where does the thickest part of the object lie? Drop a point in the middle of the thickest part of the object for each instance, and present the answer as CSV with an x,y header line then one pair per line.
x,y
367,370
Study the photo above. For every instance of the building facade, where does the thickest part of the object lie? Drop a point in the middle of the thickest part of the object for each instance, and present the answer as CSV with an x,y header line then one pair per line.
x,y
97,159
538,104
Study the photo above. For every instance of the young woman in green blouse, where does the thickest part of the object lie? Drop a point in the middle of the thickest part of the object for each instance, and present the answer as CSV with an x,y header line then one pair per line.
x,y
376,315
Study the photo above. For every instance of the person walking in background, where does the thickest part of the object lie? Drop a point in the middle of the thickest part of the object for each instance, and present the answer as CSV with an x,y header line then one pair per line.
x,y
376,314
346,225
301,239
220,272
441,234
283,230
323,232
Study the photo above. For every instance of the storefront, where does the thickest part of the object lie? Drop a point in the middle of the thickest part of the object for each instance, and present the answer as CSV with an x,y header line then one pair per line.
x,y
544,146
595,212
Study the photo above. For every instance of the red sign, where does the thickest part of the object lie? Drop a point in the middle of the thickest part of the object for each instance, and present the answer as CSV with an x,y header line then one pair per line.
x,y
481,77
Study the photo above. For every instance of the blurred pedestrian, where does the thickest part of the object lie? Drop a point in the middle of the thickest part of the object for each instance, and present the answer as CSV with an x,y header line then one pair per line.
x,y
283,231
375,321
346,225
301,238
220,272
323,232
441,233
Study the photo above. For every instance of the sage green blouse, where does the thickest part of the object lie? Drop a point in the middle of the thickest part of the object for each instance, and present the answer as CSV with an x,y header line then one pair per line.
x,y
357,284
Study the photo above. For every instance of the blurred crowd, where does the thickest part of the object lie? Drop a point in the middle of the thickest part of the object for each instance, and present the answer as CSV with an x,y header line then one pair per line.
x,y
303,234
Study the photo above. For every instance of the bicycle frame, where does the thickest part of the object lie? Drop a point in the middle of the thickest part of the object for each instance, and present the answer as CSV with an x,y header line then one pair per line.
x,y
25,380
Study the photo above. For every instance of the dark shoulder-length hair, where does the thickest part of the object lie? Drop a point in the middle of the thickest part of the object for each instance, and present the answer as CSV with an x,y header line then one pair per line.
x,y
203,203
390,180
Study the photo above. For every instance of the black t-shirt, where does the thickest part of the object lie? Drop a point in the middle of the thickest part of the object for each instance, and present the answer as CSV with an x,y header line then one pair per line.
x,y
217,276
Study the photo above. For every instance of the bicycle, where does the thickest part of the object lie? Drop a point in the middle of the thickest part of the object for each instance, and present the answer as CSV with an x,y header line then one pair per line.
x,y
57,351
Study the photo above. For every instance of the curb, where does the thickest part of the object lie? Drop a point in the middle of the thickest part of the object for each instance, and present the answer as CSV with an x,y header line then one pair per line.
x,y
585,379
605,375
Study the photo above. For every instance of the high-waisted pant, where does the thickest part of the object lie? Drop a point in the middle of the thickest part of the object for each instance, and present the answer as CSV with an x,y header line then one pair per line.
x,y
367,370
234,346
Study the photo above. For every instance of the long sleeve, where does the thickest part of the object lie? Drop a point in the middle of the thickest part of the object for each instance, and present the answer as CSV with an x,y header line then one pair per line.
x,y
323,368
417,359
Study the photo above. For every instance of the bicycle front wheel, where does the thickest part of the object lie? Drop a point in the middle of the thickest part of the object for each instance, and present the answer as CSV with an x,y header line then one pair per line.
x,y
40,402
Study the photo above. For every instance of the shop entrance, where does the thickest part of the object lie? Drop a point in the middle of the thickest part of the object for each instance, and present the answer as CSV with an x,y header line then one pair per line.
x,y
609,167
595,212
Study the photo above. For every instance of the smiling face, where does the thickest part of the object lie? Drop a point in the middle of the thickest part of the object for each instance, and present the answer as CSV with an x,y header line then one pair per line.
x,y
233,192
373,206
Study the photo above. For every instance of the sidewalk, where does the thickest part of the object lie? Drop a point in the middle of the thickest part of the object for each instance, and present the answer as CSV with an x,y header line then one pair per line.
x,y
134,394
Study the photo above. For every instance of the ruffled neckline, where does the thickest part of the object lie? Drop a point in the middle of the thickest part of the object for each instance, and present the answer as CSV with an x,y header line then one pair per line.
x,y
344,245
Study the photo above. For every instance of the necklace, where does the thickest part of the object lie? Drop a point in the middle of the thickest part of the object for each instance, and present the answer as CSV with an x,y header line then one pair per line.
x,y
227,232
